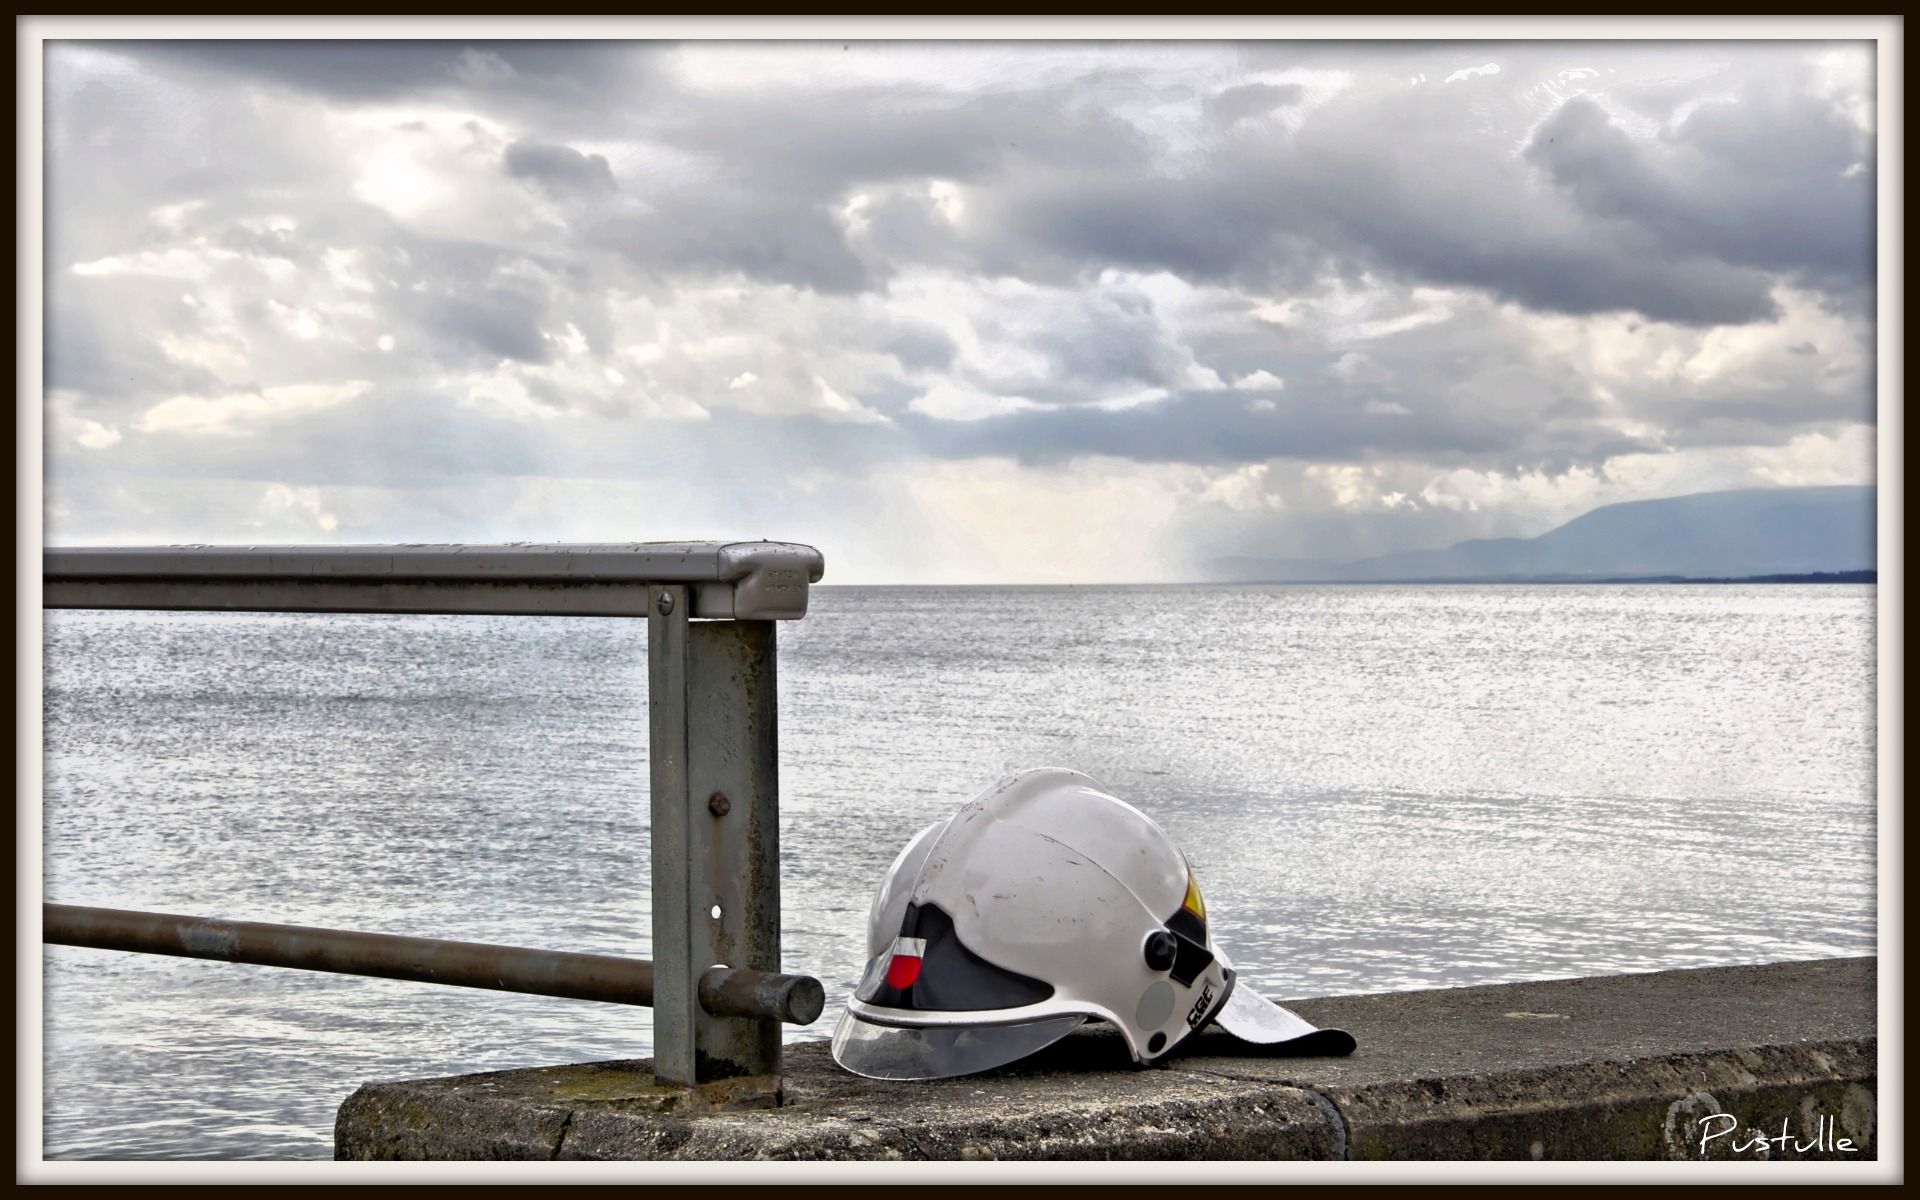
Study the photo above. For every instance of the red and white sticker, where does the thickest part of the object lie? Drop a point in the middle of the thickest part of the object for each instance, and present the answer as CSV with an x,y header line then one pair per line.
x,y
904,967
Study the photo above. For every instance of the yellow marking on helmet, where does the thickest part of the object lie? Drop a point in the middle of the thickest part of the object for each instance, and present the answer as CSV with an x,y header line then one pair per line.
x,y
1194,904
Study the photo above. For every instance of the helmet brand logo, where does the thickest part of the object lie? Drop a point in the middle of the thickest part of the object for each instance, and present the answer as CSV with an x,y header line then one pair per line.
x,y
1198,1012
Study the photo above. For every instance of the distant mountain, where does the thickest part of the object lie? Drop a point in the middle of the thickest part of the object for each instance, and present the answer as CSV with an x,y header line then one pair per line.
x,y
1722,535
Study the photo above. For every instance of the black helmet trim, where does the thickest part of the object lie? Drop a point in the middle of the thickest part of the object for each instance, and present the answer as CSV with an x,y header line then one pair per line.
x,y
1188,925
1189,959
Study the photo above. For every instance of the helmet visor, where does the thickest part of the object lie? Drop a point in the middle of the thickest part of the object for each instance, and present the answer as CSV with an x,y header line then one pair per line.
x,y
940,1052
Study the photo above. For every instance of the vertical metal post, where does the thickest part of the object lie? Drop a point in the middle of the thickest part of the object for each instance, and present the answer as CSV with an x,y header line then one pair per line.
x,y
675,997
716,835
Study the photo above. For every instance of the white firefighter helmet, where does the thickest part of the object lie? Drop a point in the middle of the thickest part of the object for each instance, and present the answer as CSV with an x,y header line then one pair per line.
x,y
1044,903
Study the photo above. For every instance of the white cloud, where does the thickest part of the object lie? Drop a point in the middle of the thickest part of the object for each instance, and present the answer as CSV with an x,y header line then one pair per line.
x,y
1471,72
1355,367
950,402
273,224
174,217
1244,489
949,198
348,268
195,261
240,413
504,393
63,423
1370,330
1133,399
222,355
836,407
281,501
992,519
437,171
1350,485
301,322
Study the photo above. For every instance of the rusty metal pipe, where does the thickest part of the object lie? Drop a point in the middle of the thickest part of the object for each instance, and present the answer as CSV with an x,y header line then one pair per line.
x,y
572,976
798,999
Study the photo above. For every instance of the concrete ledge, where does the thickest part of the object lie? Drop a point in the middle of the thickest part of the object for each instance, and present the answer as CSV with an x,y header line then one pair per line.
x,y
1618,1067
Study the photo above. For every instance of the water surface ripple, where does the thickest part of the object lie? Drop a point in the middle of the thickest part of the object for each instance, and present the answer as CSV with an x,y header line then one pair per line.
x,y
1379,787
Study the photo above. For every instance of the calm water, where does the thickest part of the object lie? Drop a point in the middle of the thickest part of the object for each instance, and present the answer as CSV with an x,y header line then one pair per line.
x,y
1379,787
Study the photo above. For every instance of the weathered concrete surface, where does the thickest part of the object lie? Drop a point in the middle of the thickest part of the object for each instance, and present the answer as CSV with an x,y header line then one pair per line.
x,y
1593,1068
1618,1067
1063,1107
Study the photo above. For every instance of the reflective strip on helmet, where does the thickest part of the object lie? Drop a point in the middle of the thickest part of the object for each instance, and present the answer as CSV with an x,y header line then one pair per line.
x,y
903,966
1189,921
1194,904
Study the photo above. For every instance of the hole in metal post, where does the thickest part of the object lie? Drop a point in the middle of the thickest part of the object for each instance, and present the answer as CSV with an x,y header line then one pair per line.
x,y
715,912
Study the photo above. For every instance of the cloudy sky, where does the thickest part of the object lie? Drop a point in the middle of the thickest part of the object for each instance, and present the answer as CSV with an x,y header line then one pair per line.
x,y
953,311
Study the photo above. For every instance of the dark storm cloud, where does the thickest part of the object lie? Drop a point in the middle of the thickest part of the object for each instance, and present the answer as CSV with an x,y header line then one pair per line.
x,y
1193,229
1600,270
363,70
1762,414
1120,342
1428,209
800,256
766,238
95,346
1224,428
864,136
771,209
906,226
559,166
502,324
919,347
358,70
1389,182
1105,343
1253,99
1689,227
1763,183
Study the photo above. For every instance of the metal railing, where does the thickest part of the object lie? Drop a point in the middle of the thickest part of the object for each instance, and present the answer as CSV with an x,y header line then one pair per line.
x,y
710,609
796,999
